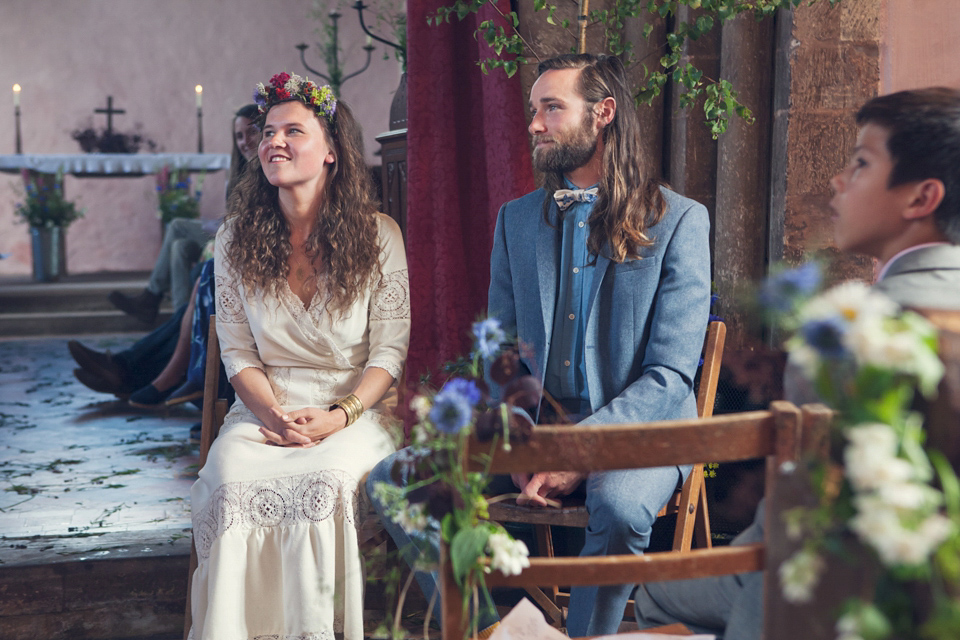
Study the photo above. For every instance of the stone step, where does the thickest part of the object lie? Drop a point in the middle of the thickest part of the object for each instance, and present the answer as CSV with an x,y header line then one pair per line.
x,y
76,304
70,323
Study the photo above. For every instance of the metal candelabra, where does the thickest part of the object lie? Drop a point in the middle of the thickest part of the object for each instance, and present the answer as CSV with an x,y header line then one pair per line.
x,y
336,78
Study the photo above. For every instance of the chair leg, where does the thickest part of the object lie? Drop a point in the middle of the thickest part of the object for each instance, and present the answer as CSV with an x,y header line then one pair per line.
x,y
547,597
188,614
701,527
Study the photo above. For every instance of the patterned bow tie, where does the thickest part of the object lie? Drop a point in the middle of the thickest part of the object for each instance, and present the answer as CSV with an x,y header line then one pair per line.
x,y
566,197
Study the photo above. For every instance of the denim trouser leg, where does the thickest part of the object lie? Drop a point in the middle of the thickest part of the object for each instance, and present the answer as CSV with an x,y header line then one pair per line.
x,y
147,357
623,506
410,549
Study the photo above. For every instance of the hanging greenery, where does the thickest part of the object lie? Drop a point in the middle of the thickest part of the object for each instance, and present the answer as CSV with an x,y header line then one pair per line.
x,y
721,100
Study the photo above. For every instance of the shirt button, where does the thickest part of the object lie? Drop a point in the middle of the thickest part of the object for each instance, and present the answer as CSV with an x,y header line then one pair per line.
x,y
580,224
566,363
571,316
576,269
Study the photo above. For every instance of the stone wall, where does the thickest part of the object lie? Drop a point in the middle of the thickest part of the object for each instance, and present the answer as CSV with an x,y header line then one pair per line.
x,y
833,58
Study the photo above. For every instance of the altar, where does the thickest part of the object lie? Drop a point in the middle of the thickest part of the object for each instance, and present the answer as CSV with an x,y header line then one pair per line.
x,y
120,230
98,165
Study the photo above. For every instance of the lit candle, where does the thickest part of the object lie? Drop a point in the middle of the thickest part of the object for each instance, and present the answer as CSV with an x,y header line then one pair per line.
x,y
16,95
199,91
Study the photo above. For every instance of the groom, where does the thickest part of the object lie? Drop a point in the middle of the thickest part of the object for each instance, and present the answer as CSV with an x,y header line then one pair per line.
x,y
605,276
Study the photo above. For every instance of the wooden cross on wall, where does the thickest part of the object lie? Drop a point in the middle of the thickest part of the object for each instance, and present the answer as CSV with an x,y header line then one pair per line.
x,y
110,111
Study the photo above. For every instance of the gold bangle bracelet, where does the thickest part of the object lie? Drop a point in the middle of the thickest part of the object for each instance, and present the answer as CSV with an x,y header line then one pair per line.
x,y
351,406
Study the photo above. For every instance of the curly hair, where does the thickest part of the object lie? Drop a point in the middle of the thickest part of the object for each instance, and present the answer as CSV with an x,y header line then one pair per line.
x,y
345,234
629,200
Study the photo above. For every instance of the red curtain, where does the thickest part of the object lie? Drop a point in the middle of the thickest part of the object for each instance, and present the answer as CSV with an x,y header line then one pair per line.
x,y
468,153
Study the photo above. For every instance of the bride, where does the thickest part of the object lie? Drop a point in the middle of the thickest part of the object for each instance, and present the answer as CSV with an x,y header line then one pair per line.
x,y
313,318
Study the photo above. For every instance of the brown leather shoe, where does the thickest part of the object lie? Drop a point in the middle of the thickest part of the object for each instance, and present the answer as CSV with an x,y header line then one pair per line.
x,y
144,307
98,384
100,365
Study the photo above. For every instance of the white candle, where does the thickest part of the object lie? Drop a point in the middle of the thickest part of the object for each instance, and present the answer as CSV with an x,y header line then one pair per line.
x,y
16,95
199,91
369,41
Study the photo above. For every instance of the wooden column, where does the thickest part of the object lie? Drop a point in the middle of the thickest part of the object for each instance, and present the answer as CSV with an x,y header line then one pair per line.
x,y
690,157
646,52
743,169
393,154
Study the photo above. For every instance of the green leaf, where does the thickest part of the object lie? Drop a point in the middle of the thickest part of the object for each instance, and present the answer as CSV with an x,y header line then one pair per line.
x,y
467,546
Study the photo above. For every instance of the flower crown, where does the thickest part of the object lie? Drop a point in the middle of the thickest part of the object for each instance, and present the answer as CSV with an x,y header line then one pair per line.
x,y
285,86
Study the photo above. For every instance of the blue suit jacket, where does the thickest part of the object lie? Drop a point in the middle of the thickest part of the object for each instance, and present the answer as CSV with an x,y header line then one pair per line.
x,y
647,318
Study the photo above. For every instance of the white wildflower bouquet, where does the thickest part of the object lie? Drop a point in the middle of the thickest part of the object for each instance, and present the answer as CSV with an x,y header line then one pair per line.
x,y
435,496
866,358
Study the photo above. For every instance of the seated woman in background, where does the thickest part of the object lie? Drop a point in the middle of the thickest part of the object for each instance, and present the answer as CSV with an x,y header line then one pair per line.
x,y
151,369
184,239
313,320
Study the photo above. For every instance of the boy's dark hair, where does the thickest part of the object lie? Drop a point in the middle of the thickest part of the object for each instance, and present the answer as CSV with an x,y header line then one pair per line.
x,y
924,142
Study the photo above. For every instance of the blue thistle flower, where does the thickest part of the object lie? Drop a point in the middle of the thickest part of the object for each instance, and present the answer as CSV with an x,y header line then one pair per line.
x,y
489,337
453,405
826,336
781,291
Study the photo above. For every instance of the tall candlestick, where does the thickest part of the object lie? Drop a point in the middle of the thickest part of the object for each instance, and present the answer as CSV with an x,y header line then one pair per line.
x,y
199,91
16,119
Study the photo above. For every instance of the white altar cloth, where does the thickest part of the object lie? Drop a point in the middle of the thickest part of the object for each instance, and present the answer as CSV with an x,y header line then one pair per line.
x,y
102,164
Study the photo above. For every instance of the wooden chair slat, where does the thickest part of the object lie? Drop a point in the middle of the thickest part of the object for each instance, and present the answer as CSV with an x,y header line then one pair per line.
x,y
551,448
621,569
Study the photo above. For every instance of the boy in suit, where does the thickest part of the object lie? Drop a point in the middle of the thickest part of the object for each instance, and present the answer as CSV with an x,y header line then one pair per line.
x,y
898,201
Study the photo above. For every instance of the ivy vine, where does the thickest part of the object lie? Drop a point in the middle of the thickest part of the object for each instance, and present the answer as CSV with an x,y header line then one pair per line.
x,y
721,100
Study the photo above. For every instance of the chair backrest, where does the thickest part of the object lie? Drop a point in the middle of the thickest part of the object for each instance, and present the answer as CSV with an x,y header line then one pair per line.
x,y
214,407
710,371
211,418
775,434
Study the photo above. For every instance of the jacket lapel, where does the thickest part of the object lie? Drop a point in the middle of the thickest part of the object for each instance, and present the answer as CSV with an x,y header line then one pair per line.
x,y
546,266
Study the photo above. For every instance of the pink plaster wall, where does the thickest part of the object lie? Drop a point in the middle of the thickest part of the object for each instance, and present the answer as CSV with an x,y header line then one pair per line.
x,y
149,55
921,45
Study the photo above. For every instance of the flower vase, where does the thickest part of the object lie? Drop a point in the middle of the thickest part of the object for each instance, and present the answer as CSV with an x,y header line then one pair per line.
x,y
49,253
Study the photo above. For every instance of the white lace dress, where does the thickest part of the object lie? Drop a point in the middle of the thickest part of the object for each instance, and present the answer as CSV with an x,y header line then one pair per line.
x,y
275,528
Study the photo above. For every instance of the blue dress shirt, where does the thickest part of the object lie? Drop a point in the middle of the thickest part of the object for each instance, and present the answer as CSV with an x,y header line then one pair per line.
x,y
565,376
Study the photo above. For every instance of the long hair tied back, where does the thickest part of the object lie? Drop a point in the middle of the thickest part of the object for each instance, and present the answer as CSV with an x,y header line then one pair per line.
x,y
344,238
629,200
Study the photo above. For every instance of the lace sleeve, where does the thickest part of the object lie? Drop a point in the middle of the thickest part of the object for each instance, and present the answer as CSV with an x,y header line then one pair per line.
x,y
390,303
237,346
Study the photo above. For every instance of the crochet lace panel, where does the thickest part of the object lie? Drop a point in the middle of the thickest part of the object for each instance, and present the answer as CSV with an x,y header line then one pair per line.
x,y
229,302
391,298
277,502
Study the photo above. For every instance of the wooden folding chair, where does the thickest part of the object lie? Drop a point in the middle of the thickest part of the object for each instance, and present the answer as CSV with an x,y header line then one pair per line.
x,y
775,435
371,532
689,502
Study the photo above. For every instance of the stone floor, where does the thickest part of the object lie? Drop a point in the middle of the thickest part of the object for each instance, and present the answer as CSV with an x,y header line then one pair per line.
x,y
82,474
95,508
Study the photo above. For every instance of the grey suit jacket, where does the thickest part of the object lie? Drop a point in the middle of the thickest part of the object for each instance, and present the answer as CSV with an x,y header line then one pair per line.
x,y
646,322
927,278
